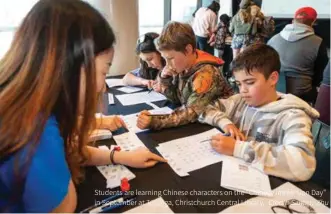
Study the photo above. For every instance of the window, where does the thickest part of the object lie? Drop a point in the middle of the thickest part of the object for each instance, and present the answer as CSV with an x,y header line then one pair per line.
x,y
151,16
206,3
182,10
11,15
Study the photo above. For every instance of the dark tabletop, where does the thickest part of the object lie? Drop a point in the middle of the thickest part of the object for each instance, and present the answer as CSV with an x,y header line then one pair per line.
x,y
182,194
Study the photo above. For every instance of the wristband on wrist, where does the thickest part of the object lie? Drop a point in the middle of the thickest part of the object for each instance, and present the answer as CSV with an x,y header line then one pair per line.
x,y
117,148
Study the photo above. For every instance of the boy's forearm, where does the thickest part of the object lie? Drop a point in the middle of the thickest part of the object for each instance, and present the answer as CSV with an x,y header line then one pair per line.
x,y
213,115
180,116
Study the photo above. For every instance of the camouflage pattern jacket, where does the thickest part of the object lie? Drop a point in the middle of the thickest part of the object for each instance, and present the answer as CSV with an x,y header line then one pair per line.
x,y
194,90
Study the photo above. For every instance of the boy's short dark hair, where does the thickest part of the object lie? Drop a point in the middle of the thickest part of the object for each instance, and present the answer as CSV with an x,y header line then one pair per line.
x,y
176,36
257,57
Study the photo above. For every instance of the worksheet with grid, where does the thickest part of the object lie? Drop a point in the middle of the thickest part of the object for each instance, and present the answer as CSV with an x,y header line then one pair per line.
x,y
190,153
128,141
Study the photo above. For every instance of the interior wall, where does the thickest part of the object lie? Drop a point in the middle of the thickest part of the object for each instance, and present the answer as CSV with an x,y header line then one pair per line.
x,y
124,20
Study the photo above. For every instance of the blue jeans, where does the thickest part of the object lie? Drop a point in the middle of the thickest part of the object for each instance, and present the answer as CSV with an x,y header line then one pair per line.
x,y
202,44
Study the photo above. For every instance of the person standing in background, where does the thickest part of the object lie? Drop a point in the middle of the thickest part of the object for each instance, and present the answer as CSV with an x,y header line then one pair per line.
x,y
221,40
303,55
257,27
204,24
241,28
322,104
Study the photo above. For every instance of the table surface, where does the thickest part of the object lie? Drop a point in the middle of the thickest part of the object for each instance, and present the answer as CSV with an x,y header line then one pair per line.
x,y
161,180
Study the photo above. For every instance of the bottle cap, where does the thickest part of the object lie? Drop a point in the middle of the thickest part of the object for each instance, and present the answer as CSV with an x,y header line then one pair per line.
x,y
125,186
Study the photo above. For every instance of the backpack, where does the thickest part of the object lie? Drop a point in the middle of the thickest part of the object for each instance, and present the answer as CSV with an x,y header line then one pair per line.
x,y
222,38
268,26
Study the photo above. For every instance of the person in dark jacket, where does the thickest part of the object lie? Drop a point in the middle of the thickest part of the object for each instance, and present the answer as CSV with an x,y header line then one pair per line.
x,y
322,104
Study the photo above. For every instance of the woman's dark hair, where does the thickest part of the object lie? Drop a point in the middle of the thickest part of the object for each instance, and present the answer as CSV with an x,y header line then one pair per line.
x,y
225,19
40,75
145,44
214,6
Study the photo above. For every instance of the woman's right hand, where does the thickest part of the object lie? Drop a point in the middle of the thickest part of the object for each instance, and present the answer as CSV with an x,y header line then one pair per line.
x,y
139,158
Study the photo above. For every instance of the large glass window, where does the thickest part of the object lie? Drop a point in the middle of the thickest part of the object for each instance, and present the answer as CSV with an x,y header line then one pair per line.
x,y
206,3
151,16
182,10
11,15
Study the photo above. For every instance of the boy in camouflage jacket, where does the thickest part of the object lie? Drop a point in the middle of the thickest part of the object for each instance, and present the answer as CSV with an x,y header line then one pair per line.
x,y
191,78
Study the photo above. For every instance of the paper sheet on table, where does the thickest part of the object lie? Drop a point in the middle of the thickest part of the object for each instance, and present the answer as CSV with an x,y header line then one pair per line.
x,y
240,176
129,89
286,193
128,141
111,99
155,206
114,82
152,105
114,173
141,97
190,153
131,119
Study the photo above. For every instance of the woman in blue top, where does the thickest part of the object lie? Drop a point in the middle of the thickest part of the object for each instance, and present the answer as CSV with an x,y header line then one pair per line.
x,y
49,84
151,63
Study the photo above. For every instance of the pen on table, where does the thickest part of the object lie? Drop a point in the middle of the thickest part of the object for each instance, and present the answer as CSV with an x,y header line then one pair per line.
x,y
209,139
119,202
150,90
113,197
155,115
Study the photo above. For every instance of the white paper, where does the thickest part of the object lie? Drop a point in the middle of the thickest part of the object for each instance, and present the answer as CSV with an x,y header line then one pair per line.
x,y
131,119
128,141
152,105
163,110
100,134
155,206
129,89
240,176
111,99
281,194
114,82
114,173
141,97
190,153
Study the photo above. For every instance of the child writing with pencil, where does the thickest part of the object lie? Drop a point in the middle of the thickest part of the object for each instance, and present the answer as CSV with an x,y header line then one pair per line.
x,y
269,129
191,78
